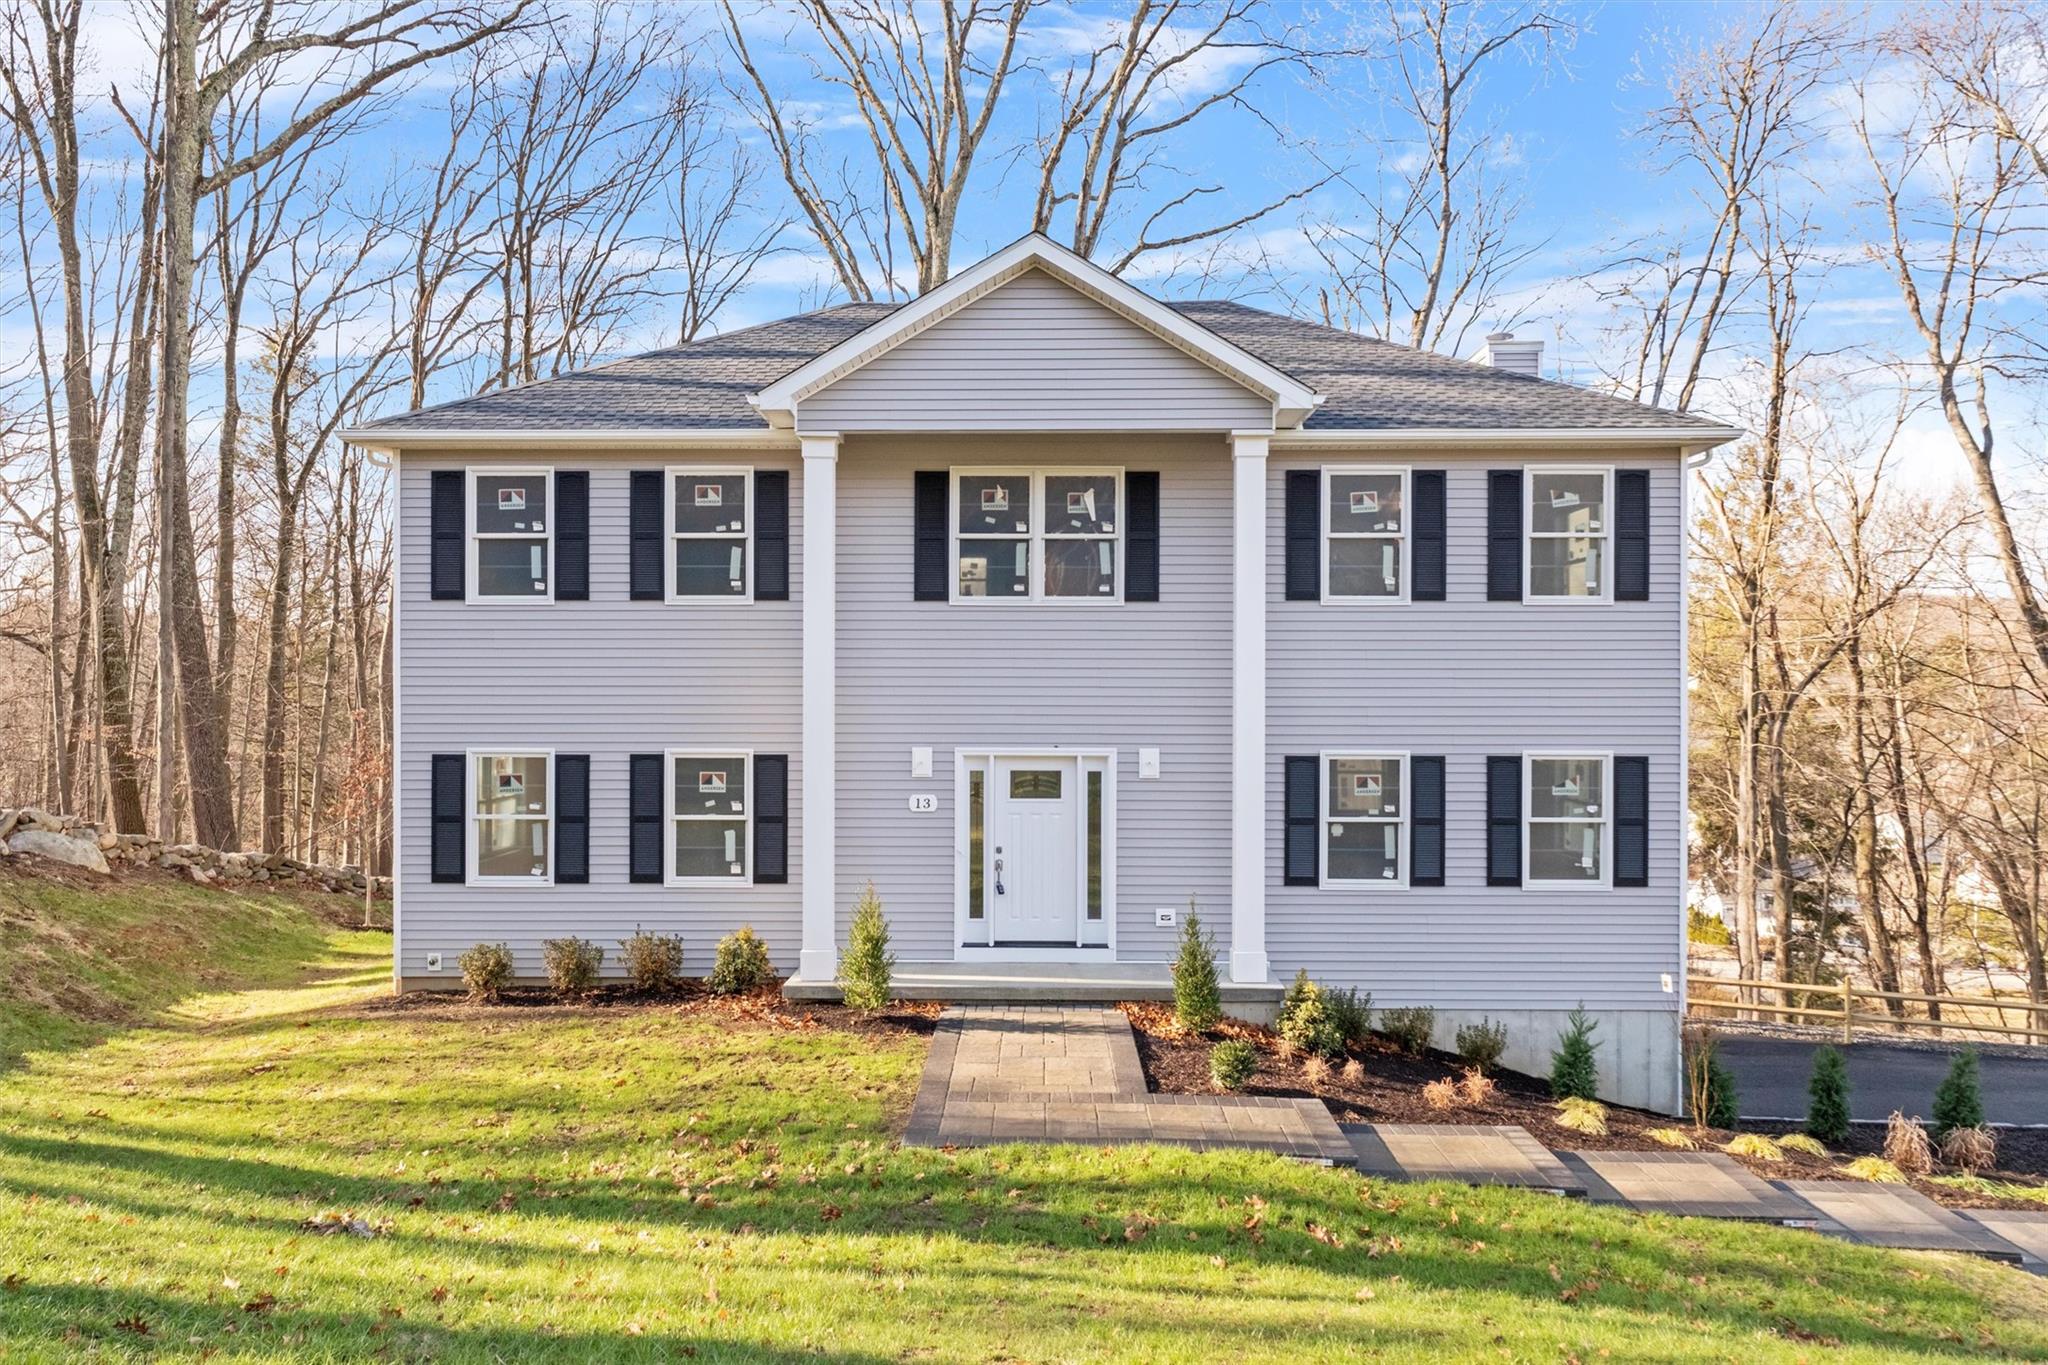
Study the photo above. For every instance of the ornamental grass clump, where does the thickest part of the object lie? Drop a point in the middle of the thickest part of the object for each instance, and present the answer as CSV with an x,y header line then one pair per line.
x,y
1476,1086
1582,1116
1440,1094
1676,1138
740,964
653,962
1315,1072
1232,1063
572,964
1906,1145
1875,1168
1969,1150
868,967
1197,995
486,970
1755,1146
1805,1144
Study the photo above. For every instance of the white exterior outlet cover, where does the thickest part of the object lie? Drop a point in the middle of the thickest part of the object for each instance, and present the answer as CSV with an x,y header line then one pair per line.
x,y
1148,763
1668,987
921,761
1163,919
433,962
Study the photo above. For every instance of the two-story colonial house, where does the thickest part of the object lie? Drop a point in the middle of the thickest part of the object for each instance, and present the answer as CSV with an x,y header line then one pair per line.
x,y
1049,608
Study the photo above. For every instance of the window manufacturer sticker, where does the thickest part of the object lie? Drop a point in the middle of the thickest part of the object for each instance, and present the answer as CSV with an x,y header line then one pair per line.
x,y
1364,501
711,782
710,495
511,499
1365,784
996,499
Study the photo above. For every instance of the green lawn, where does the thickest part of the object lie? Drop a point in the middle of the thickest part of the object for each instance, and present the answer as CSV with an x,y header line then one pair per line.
x,y
667,1185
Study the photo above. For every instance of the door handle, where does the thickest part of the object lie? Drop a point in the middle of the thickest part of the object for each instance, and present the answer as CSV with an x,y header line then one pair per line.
x,y
999,872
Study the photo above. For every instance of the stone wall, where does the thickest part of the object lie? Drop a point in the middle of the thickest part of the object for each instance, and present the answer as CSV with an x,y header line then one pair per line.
x,y
80,843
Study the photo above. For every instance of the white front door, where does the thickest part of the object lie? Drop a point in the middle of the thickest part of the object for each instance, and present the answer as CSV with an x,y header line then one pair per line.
x,y
1034,863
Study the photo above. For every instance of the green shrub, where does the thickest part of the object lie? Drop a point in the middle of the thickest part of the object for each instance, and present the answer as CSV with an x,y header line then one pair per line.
x,y
1232,1063
571,964
741,963
1709,1086
1827,1097
486,970
1411,1028
1353,1013
1482,1043
1958,1104
1573,1072
1197,996
1701,927
1306,1021
865,970
653,962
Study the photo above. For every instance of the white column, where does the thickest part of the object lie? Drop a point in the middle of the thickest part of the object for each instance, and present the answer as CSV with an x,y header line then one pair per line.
x,y
1250,792
820,958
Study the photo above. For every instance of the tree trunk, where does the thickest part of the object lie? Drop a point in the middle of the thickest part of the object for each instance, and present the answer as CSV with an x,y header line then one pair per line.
x,y
273,679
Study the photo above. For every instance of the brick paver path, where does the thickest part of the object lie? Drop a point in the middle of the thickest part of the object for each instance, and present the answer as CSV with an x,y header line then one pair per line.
x,y
1503,1154
1051,1073
1891,1216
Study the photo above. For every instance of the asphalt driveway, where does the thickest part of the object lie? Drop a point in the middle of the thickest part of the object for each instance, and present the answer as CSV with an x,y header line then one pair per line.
x,y
1771,1075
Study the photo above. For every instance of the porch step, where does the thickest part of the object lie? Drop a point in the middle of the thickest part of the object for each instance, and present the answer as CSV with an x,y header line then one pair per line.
x,y
1031,983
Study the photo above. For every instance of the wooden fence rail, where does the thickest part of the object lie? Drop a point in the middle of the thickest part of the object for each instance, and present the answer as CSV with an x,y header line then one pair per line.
x,y
1841,1001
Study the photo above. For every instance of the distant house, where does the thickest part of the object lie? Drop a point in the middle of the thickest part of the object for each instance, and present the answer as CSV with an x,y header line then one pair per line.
x,y
1049,606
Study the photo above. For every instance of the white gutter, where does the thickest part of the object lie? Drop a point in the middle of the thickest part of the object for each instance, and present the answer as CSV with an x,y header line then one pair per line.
x,y
1698,437
390,440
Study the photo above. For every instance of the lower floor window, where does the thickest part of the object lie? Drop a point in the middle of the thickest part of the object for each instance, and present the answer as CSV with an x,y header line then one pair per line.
x,y
510,811
1364,818
1567,820
708,818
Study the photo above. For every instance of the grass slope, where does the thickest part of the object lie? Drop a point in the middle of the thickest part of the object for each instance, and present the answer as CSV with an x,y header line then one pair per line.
x,y
661,1184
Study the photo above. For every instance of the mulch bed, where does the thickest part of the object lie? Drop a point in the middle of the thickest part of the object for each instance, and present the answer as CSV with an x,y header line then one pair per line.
x,y
764,1008
1391,1091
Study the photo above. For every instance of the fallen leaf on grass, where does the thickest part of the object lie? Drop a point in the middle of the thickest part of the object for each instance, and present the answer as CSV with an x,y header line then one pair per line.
x,y
830,1213
13,1283
262,1303
1324,1235
438,1293
133,1324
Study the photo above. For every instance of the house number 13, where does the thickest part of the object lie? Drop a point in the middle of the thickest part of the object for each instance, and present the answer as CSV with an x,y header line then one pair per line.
x,y
923,804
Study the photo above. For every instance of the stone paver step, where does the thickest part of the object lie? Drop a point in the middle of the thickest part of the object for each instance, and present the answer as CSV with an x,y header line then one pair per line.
x,y
1503,1154
1894,1216
1696,1184
2026,1230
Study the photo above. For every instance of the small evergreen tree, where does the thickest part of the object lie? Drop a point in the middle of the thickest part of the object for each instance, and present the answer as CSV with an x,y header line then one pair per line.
x,y
1231,1063
1197,998
1827,1093
1958,1103
1306,1021
865,971
1573,1072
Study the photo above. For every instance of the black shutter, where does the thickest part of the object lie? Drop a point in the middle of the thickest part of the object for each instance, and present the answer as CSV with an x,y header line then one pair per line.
x,y
450,852
1141,537
572,815
1304,528
1426,530
643,835
1631,535
572,537
448,555
1504,535
771,535
771,818
646,581
1298,859
1632,821
1504,821
1426,821
928,555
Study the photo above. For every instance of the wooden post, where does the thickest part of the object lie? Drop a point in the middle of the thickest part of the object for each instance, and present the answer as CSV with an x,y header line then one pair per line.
x,y
1848,1013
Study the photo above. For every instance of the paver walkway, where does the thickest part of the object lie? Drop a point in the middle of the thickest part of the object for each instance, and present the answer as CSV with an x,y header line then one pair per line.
x,y
1499,1155
1696,1184
1050,1073
2027,1231
1892,1216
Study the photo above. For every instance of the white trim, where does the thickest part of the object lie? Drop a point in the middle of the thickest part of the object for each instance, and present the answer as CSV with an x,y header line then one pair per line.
x,y
819,882
473,538
1403,846
1248,781
1605,819
1605,535
1085,760
1700,437
1035,538
778,402
1405,560
669,535
1682,647
398,738
471,817
669,817
398,440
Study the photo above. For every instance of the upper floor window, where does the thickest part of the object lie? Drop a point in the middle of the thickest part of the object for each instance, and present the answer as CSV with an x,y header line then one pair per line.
x,y
710,534
1567,819
511,535
1365,818
511,805
709,825
1365,534
1042,535
1569,533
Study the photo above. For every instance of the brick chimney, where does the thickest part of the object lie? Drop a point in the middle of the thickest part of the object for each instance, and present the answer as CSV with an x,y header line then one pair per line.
x,y
1503,352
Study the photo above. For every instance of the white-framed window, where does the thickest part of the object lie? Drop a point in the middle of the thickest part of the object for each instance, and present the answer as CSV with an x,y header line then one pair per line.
x,y
1570,516
1565,839
710,817
1365,533
1037,535
511,534
511,824
709,524
1365,820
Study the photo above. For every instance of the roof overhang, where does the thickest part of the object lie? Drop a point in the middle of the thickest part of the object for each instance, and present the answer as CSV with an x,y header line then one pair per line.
x,y
1292,400
1689,439
391,440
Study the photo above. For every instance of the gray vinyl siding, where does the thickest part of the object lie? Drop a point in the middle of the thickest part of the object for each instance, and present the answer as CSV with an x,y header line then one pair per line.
x,y
1027,677
1035,355
608,677
1466,678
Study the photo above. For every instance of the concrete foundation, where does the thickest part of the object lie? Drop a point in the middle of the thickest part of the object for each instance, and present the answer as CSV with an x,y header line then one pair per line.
x,y
1638,1051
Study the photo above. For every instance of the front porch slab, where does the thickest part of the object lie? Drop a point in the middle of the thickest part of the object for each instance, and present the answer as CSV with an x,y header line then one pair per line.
x,y
1036,983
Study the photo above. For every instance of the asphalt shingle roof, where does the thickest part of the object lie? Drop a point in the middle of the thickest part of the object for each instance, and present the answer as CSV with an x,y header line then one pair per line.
x,y
1367,384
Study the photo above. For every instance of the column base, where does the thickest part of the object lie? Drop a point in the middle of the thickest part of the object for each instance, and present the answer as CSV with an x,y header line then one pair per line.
x,y
818,964
1248,969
